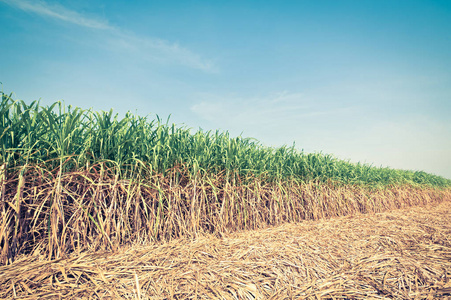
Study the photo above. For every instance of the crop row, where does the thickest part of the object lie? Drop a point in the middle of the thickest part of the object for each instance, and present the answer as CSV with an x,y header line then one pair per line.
x,y
68,138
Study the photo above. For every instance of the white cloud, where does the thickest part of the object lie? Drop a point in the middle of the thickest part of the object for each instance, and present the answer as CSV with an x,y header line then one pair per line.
x,y
145,48
158,50
274,120
58,12
278,110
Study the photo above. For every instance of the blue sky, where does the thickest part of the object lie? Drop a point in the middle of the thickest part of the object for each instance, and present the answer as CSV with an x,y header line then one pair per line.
x,y
368,81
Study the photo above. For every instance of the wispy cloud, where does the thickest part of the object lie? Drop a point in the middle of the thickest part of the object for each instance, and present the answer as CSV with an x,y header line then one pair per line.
x,y
146,48
59,12
270,110
159,50
275,119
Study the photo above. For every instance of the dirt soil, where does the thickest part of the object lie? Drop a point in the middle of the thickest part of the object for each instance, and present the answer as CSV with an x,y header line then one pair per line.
x,y
403,254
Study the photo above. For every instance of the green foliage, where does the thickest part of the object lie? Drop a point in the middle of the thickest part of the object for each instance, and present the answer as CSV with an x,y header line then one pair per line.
x,y
57,135
74,179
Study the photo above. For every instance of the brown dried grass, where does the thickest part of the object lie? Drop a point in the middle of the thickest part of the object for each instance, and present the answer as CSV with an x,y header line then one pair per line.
x,y
57,213
402,254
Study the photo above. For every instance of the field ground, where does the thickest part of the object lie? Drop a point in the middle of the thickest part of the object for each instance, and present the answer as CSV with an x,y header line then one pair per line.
x,y
402,254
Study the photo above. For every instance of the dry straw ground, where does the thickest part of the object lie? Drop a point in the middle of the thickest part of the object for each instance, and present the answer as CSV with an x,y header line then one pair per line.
x,y
402,254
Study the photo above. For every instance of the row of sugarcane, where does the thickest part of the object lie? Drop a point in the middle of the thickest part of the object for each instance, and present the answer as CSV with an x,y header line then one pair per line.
x,y
74,179
56,134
